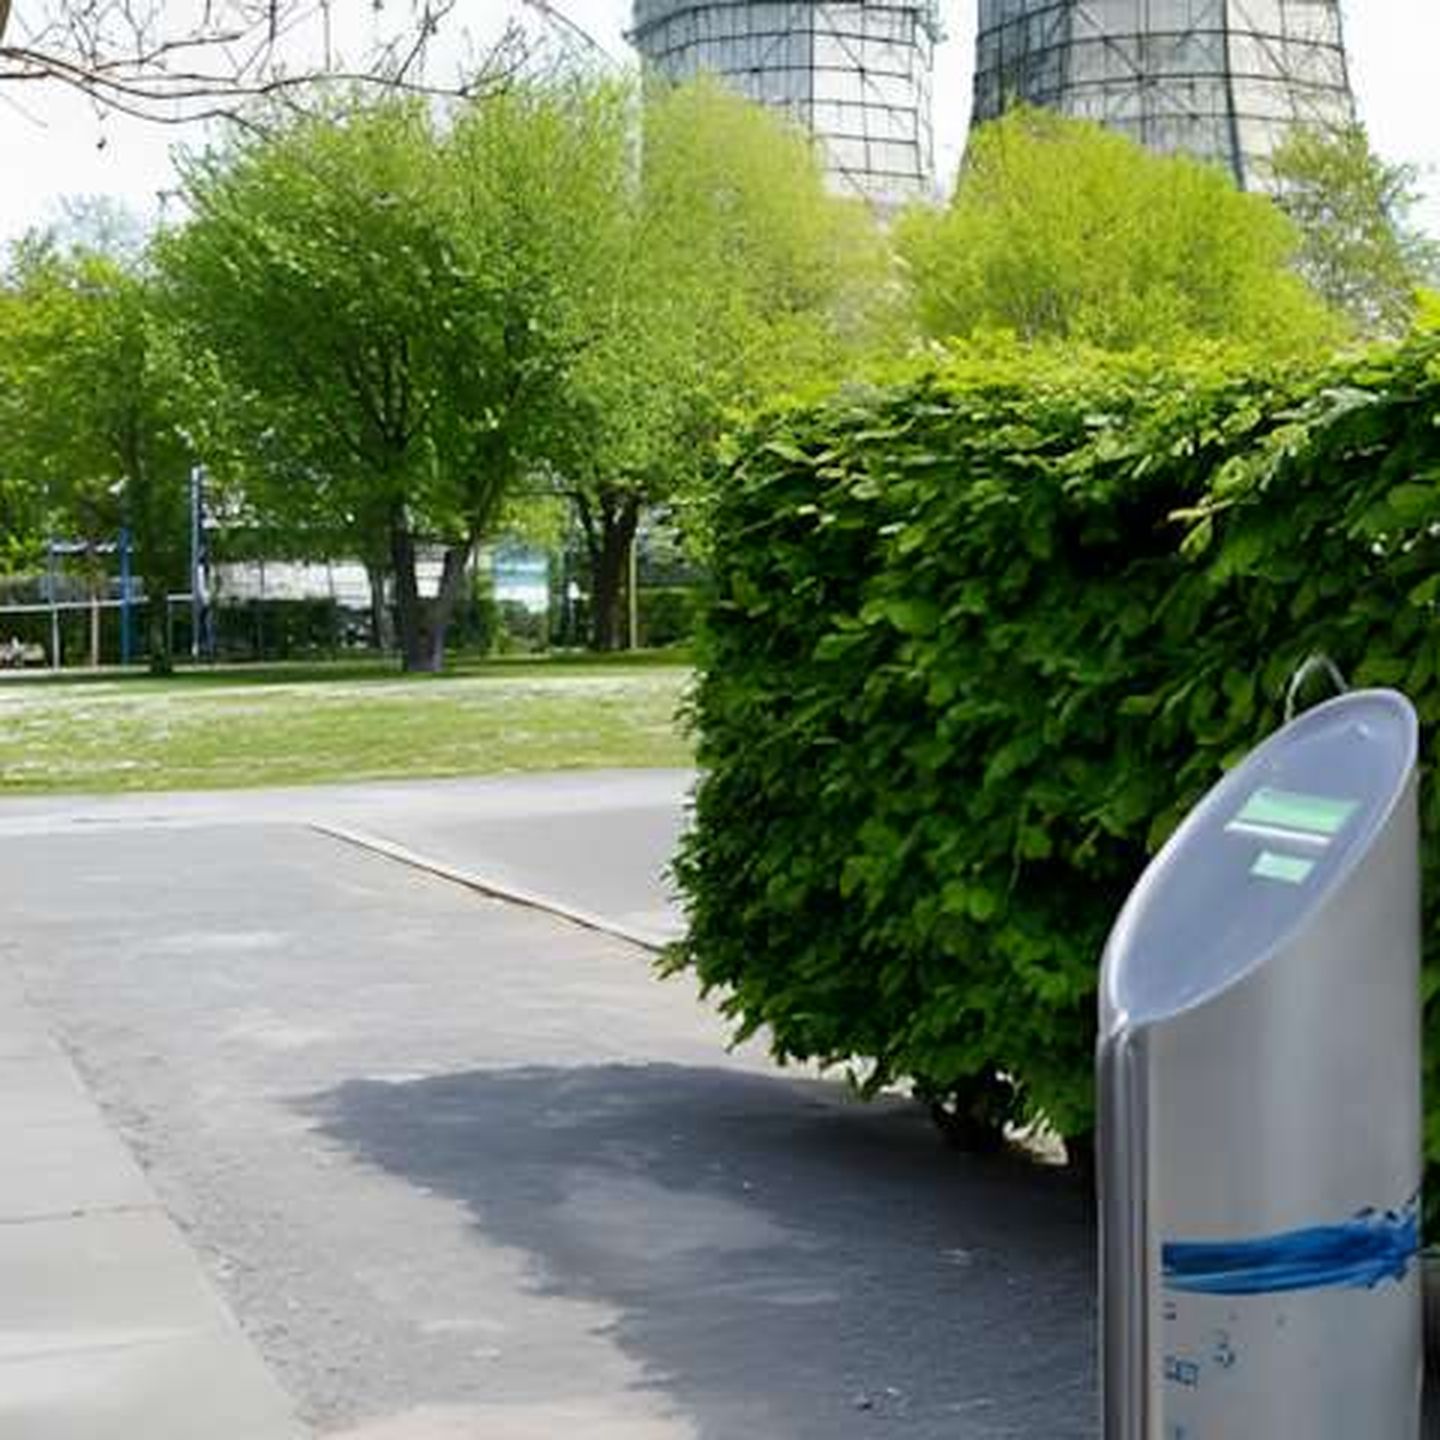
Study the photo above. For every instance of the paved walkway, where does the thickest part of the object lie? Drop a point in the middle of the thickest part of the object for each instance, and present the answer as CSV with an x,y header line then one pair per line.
x,y
110,1327
594,842
463,1169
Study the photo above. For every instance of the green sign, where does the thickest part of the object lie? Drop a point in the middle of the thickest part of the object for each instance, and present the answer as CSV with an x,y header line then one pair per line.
x,y
1291,869
1291,814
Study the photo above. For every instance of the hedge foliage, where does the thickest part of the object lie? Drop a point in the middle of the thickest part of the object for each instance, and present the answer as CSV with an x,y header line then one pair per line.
x,y
979,638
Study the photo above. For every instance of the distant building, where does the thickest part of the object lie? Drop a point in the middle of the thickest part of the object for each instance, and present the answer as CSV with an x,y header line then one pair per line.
x,y
857,75
1223,80
520,575
517,572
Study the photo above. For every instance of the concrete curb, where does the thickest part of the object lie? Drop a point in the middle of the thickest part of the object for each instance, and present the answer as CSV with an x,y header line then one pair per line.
x,y
484,885
111,1327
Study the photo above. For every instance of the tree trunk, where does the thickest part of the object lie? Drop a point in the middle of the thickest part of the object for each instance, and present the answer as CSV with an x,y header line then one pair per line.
x,y
157,626
453,573
94,623
423,623
609,533
382,629
407,595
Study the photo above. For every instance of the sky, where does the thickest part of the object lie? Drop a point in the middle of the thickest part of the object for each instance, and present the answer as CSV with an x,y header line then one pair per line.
x,y
53,144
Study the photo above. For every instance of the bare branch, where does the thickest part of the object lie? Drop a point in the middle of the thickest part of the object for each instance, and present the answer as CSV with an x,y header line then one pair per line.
x,y
135,57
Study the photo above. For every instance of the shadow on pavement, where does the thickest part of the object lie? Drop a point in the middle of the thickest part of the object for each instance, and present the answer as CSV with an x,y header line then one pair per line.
x,y
770,1247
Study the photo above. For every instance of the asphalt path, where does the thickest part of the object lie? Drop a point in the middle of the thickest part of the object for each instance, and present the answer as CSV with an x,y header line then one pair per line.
x,y
466,1169
599,841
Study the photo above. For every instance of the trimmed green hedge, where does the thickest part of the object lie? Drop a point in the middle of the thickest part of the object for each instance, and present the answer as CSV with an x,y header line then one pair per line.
x,y
977,641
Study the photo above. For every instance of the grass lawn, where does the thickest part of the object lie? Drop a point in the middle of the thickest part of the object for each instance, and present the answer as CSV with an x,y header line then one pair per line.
x,y
281,725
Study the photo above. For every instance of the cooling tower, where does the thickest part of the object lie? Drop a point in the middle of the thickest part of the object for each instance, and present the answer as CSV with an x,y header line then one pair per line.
x,y
1223,80
856,75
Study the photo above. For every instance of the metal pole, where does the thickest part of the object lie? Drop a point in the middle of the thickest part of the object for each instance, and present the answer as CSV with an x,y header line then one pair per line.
x,y
94,621
196,601
125,596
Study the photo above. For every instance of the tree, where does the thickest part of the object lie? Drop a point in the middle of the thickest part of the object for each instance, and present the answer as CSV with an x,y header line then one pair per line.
x,y
94,434
408,321
176,64
1060,229
391,306
1358,247
317,274
21,525
22,501
547,188
737,274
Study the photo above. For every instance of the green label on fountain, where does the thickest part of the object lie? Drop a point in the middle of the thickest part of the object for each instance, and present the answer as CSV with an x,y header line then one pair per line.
x,y
1289,868
1316,817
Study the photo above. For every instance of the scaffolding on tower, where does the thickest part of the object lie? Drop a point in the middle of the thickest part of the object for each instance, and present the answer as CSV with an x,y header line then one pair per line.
x,y
856,75
1223,80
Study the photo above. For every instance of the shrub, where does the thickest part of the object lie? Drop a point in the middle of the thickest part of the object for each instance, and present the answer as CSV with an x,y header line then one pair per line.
x,y
977,640
667,614
271,629
520,630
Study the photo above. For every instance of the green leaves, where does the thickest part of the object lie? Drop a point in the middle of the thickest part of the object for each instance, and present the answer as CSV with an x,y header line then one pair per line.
x,y
910,615
732,275
94,412
961,701
1060,230
1412,504
1358,246
399,311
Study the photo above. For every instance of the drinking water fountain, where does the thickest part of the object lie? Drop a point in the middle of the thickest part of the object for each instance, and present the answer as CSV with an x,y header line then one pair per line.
x,y
1259,1097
